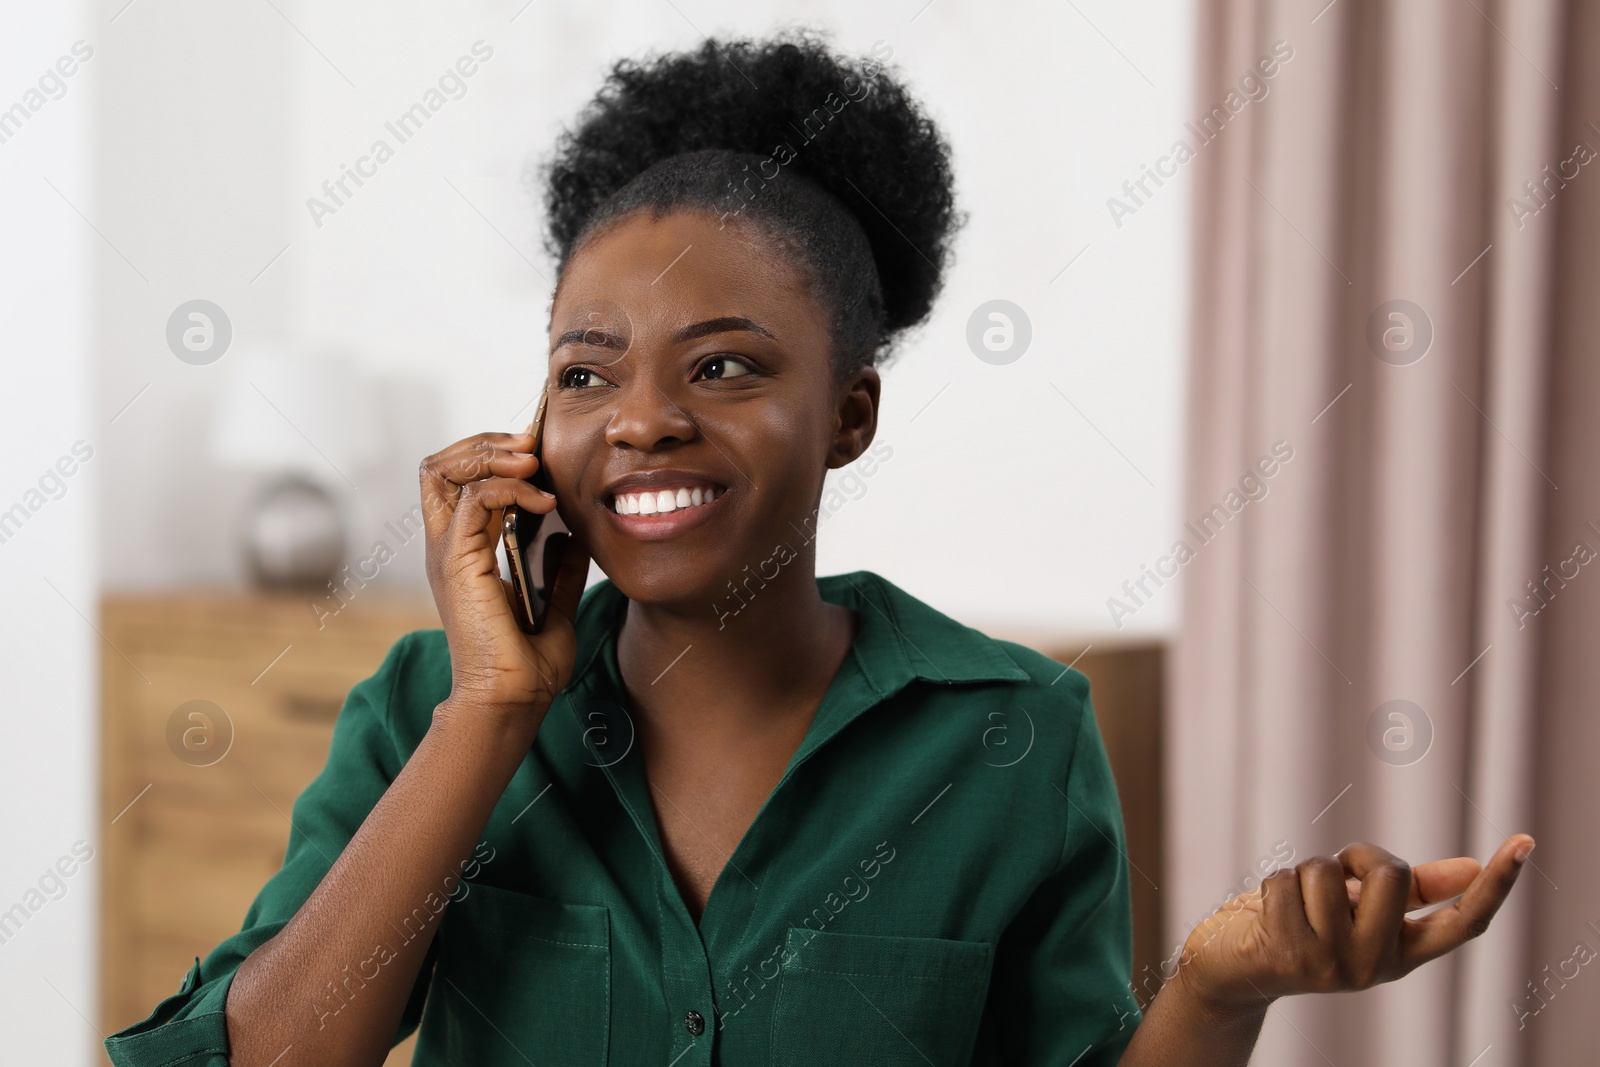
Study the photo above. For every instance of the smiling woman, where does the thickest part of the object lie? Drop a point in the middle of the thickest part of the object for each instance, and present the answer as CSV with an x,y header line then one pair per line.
x,y
686,805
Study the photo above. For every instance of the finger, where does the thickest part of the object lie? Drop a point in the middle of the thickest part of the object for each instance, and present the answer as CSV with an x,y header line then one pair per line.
x,y
481,499
1283,907
1431,882
1385,889
519,441
1449,927
1442,879
475,450
1327,902
443,473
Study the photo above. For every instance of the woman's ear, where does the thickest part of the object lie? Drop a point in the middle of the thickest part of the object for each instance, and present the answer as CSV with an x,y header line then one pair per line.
x,y
855,417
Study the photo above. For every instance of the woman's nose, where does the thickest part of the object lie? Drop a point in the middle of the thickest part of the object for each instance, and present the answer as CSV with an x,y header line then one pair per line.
x,y
647,418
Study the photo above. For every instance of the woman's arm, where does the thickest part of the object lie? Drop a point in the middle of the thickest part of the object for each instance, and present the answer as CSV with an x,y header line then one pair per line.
x,y
1181,1030
309,995
309,991
1329,925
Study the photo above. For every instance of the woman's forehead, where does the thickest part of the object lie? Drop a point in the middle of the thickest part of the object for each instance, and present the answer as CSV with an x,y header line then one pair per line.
x,y
663,272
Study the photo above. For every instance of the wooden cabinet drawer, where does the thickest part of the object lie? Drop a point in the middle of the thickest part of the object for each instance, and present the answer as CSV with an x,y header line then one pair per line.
x,y
191,833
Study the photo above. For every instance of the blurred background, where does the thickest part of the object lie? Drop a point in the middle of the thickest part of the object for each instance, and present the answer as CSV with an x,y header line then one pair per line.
x,y
1262,383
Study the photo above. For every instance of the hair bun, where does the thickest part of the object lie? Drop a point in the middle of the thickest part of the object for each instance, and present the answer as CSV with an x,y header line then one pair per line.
x,y
840,121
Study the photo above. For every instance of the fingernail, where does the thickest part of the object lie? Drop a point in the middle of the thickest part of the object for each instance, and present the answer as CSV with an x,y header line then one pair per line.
x,y
1522,854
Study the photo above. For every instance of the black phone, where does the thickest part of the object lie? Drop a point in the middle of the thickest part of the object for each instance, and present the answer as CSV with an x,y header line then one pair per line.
x,y
534,544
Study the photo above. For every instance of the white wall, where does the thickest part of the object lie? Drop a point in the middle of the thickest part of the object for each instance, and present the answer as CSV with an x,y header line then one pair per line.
x,y
1002,503
48,569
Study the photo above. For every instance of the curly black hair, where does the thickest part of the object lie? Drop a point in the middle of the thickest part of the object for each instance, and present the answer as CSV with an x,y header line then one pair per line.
x,y
826,153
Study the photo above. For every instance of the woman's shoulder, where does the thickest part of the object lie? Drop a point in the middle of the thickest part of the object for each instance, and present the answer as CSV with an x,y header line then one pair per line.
x,y
937,648
977,697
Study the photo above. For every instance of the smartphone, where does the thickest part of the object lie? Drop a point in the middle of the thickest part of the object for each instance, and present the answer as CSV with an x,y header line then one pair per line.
x,y
534,544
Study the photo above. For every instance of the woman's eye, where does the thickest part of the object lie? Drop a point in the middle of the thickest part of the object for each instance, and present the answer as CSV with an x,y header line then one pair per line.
x,y
580,378
718,367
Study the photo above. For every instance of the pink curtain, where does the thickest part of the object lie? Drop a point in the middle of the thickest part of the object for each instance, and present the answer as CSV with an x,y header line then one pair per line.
x,y
1393,635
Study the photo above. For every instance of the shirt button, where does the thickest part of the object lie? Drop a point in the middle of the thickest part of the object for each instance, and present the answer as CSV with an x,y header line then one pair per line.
x,y
695,1023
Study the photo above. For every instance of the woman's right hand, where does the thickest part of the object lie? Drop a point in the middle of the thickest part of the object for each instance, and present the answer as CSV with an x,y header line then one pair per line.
x,y
1338,924
495,667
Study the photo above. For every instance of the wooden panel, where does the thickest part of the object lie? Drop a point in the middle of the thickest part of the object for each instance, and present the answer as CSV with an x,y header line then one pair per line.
x,y
1125,683
191,838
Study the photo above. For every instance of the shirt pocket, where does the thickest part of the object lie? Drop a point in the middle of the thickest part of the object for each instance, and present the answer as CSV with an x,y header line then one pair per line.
x,y
520,979
888,1001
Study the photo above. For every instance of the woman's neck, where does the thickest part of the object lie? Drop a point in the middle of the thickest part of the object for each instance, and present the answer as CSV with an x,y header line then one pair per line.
x,y
731,673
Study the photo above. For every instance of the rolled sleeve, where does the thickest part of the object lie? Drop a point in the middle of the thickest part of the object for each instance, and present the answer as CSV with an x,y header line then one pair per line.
x,y
189,1028
1063,972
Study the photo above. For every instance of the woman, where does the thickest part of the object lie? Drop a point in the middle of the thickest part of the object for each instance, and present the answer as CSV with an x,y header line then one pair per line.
x,y
722,811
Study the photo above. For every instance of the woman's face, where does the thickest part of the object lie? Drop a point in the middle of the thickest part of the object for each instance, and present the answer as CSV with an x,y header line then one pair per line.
x,y
691,360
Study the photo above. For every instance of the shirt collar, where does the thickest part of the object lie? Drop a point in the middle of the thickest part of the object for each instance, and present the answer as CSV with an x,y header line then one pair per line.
x,y
899,639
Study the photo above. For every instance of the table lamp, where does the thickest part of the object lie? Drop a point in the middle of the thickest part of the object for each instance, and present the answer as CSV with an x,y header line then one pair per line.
x,y
307,422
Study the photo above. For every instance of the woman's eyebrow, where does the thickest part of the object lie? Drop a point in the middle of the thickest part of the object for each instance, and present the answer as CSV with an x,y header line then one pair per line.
x,y
725,324
594,338
597,338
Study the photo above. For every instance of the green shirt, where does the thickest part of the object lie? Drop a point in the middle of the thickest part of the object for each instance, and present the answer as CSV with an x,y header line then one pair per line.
x,y
938,877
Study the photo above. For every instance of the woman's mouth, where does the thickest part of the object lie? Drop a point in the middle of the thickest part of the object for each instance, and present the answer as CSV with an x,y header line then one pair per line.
x,y
664,510
663,501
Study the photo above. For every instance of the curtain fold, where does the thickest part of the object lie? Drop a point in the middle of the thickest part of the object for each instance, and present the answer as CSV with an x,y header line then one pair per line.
x,y
1395,273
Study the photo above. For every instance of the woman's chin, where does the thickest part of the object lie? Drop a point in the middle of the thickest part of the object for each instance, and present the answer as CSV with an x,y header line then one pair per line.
x,y
671,585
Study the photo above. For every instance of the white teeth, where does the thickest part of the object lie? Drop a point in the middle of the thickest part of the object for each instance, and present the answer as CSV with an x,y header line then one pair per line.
x,y
663,501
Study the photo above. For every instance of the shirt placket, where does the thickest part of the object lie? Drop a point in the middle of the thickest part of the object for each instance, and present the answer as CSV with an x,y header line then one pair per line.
x,y
688,973
686,968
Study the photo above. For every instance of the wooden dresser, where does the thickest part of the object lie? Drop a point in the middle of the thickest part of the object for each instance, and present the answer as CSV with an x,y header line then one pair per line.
x,y
1125,686
195,809
195,798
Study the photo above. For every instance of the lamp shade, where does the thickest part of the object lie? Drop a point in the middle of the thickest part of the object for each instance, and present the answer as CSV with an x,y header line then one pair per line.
x,y
307,415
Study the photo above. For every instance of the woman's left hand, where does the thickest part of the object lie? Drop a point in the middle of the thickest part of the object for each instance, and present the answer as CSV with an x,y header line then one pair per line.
x,y
1333,924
